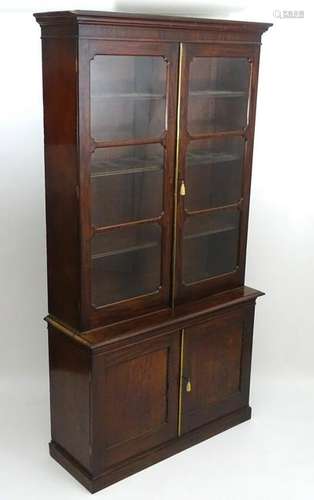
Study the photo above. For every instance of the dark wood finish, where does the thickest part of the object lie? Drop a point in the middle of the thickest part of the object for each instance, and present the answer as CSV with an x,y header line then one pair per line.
x,y
217,358
144,460
91,316
117,25
124,396
141,371
62,214
123,390
70,368
236,277
152,325
136,405
76,37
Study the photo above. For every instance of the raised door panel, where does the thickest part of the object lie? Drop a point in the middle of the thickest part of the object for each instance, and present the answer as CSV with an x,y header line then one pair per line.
x,y
127,127
216,127
216,367
136,399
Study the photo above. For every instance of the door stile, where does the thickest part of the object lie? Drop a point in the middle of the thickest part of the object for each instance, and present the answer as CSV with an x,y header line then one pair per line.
x,y
176,180
248,158
181,384
181,137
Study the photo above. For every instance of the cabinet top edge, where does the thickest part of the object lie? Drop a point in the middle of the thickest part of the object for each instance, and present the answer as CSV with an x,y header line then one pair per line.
x,y
106,335
144,20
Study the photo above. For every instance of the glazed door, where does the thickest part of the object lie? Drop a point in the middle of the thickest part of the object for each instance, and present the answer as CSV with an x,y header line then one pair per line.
x,y
128,109
216,124
216,368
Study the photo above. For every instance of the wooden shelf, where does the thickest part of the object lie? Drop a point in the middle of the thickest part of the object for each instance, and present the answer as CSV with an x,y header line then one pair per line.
x,y
129,95
204,157
217,93
122,251
123,166
113,167
210,232
145,246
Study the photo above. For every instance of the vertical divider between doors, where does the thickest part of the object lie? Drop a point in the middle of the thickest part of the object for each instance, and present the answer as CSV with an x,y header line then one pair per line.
x,y
181,384
176,178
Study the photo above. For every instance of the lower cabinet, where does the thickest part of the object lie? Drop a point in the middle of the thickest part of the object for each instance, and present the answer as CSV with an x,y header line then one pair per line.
x,y
127,404
159,389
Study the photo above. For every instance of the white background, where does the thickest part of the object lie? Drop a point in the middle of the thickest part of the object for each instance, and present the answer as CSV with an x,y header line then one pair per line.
x,y
269,457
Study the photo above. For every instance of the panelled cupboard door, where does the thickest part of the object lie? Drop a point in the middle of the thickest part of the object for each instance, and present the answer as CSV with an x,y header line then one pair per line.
x,y
216,367
216,124
135,394
127,93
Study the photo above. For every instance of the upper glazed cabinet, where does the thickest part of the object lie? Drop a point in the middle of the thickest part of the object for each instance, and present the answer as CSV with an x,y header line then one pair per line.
x,y
157,138
129,117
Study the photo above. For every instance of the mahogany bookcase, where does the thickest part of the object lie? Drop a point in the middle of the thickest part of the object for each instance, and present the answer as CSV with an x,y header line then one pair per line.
x,y
149,127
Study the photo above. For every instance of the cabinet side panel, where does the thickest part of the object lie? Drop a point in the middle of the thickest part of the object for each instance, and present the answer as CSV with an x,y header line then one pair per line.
x,y
69,396
62,210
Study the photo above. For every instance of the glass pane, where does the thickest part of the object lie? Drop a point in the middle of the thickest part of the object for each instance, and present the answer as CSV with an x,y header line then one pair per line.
x,y
210,245
214,173
126,262
128,97
218,94
127,184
